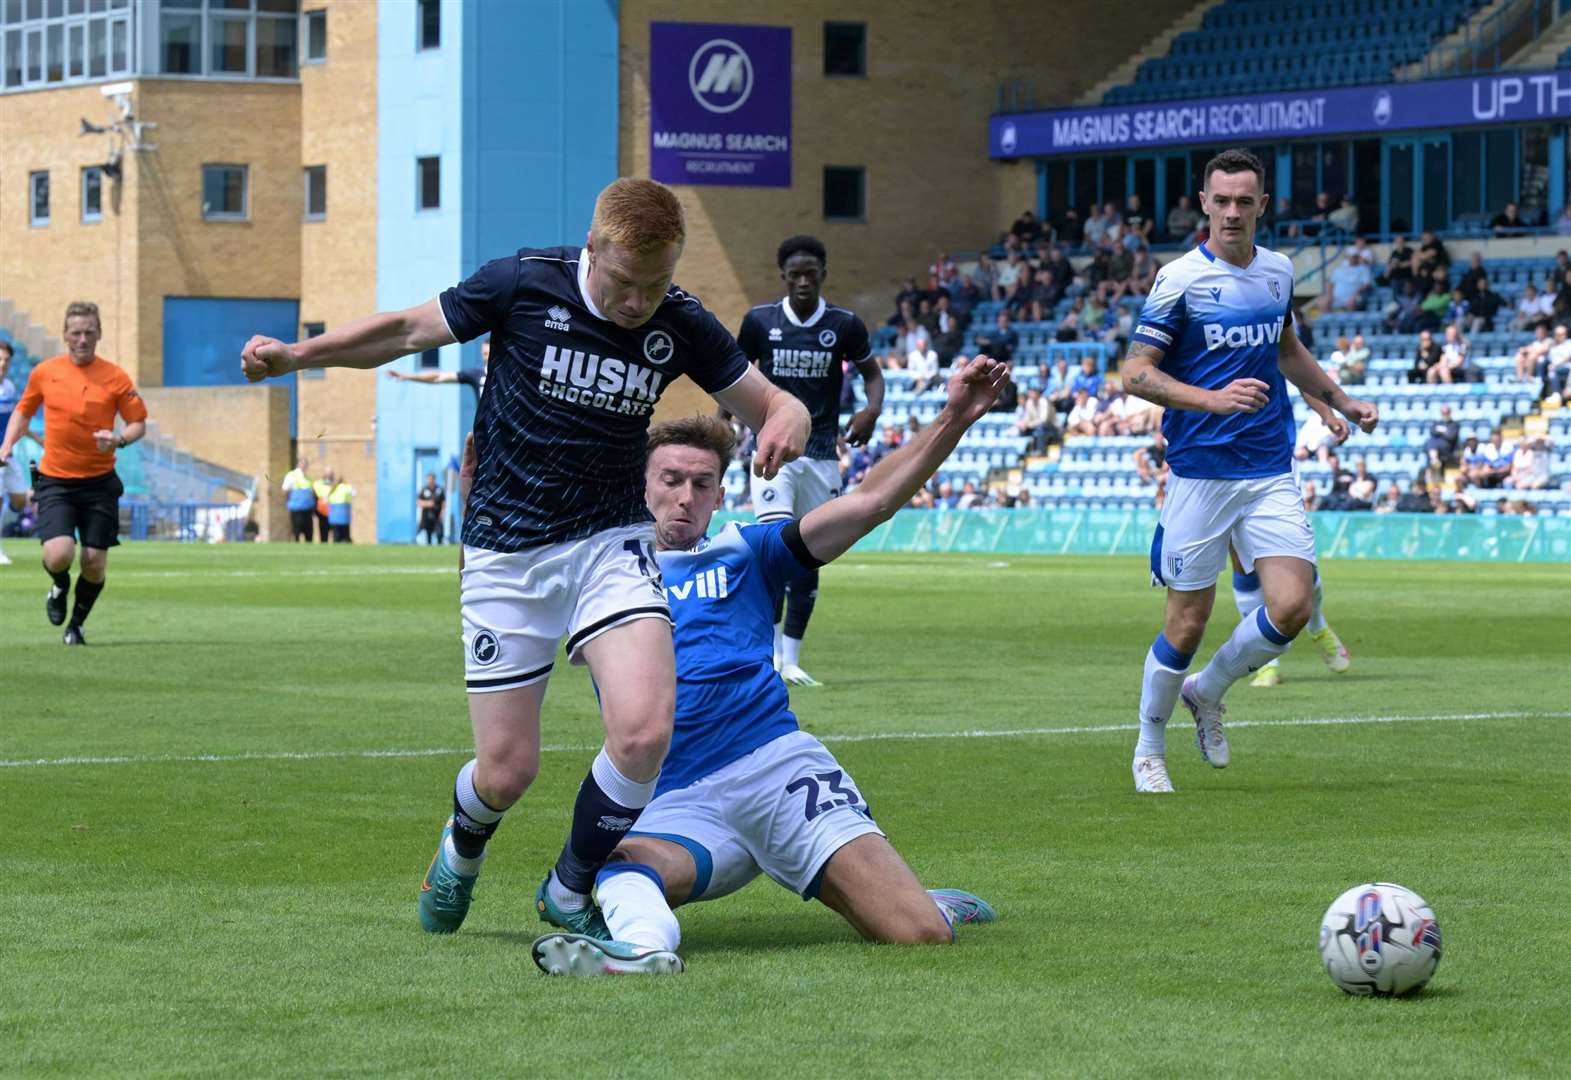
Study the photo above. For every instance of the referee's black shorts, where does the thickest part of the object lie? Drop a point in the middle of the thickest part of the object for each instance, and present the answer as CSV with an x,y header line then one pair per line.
x,y
88,508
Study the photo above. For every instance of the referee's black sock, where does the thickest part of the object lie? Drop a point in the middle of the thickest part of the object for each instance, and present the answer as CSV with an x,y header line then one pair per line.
x,y
86,593
62,579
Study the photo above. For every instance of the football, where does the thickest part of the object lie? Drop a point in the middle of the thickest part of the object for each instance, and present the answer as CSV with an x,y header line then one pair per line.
x,y
1379,939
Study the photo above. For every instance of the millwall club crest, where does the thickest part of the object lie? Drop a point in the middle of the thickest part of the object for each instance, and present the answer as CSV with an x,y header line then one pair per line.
x,y
826,338
1276,290
485,648
657,347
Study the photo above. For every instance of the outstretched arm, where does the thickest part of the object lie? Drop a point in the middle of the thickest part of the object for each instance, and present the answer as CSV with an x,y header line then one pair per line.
x,y
424,376
829,531
1304,371
1144,379
364,343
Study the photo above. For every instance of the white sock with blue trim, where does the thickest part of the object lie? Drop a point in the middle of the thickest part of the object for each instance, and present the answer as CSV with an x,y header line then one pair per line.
x,y
1164,676
632,900
1317,616
1254,643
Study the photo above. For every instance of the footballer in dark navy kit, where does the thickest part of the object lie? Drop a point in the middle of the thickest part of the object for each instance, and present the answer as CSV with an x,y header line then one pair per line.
x,y
802,344
557,539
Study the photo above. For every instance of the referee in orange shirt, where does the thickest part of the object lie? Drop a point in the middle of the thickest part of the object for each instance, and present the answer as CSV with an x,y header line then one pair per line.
x,y
76,487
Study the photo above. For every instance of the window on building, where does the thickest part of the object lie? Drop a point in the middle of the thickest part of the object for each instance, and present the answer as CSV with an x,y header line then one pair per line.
x,y
845,48
315,37
430,12
428,180
315,192
276,43
49,42
92,194
224,195
845,193
180,42
431,358
227,43
12,68
38,198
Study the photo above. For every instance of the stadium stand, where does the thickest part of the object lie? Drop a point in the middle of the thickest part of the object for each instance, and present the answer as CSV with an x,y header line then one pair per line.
x,y
1250,46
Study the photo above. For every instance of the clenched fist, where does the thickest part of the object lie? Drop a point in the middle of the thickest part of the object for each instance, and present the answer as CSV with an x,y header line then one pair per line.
x,y
267,358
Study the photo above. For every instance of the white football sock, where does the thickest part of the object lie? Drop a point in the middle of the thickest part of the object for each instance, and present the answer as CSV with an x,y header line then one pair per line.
x,y
1317,616
1247,594
779,637
1254,642
1164,677
635,909
562,896
790,651
467,867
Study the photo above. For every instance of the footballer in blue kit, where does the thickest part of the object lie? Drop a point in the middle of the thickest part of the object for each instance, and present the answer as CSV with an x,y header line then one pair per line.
x,y
744,791
1215,346
802,343
558,542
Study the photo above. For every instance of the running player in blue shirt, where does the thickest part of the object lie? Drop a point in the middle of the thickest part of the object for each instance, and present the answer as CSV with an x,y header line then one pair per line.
x,y
744,791
1212,346
801,343
557,539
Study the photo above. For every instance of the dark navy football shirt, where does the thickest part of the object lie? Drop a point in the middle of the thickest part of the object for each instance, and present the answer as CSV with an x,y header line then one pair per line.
x,y
559,434
804,358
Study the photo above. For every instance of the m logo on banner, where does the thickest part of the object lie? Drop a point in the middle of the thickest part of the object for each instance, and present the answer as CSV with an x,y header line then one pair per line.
x,y
720,75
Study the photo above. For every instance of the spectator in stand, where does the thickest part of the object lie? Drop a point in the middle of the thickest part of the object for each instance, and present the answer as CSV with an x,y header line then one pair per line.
x,y
1402,314
1082,417
1354,368
1144,273
1034,418
1060,386
1338,358
1350,284
1071,230
909,294
1430,255
1425,359
1319,214
1530,468
1311,495
1554,367
1095,228
1498,458
1483,309
1362,490
1141,417
1112,226
1340,496
1315,440
1533,310
1120,325
1027,229
1399,264
1474,463
913,337
922,500
1063,272
985,275
946,499
1087,378
1112,412
1443,436
942,270
1562,305
1415,500
1139,226
1508,222
1474,273
1007,275
1345,217
923,366
1151,461
1563,222
1096,272
886,446
1069,326
1532,354
963,298
1120,277
1182,220
1093,319
1388,501
948,333
1025,301
1000,340
1432,309
1457,310
1454,365
893,360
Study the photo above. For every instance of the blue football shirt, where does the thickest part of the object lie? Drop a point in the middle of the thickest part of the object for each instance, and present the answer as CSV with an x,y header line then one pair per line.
x,y
729,699
1217,322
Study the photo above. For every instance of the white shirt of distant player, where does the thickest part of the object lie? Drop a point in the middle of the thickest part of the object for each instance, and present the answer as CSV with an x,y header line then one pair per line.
x,y
1085,412
922,363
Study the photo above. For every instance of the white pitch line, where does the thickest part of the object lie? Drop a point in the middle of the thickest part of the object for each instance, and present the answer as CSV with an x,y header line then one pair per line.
x,y
886,736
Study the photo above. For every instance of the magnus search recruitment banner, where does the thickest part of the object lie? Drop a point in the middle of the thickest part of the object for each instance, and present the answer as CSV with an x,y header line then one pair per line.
x,y
720,104
1436,103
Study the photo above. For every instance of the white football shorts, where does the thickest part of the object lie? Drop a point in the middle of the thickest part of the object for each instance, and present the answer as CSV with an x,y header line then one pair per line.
x,y
784,810
13,476
518,605
800,486
1261,517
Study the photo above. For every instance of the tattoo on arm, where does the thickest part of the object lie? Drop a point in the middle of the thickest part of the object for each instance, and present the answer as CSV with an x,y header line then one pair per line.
x,y
1149,383
1328,395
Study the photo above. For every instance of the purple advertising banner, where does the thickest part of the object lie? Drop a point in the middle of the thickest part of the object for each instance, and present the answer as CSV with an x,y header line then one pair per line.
x,y
720,104
1495,98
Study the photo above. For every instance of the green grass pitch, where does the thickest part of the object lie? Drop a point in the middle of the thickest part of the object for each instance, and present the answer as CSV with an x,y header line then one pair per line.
x,y
224,881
